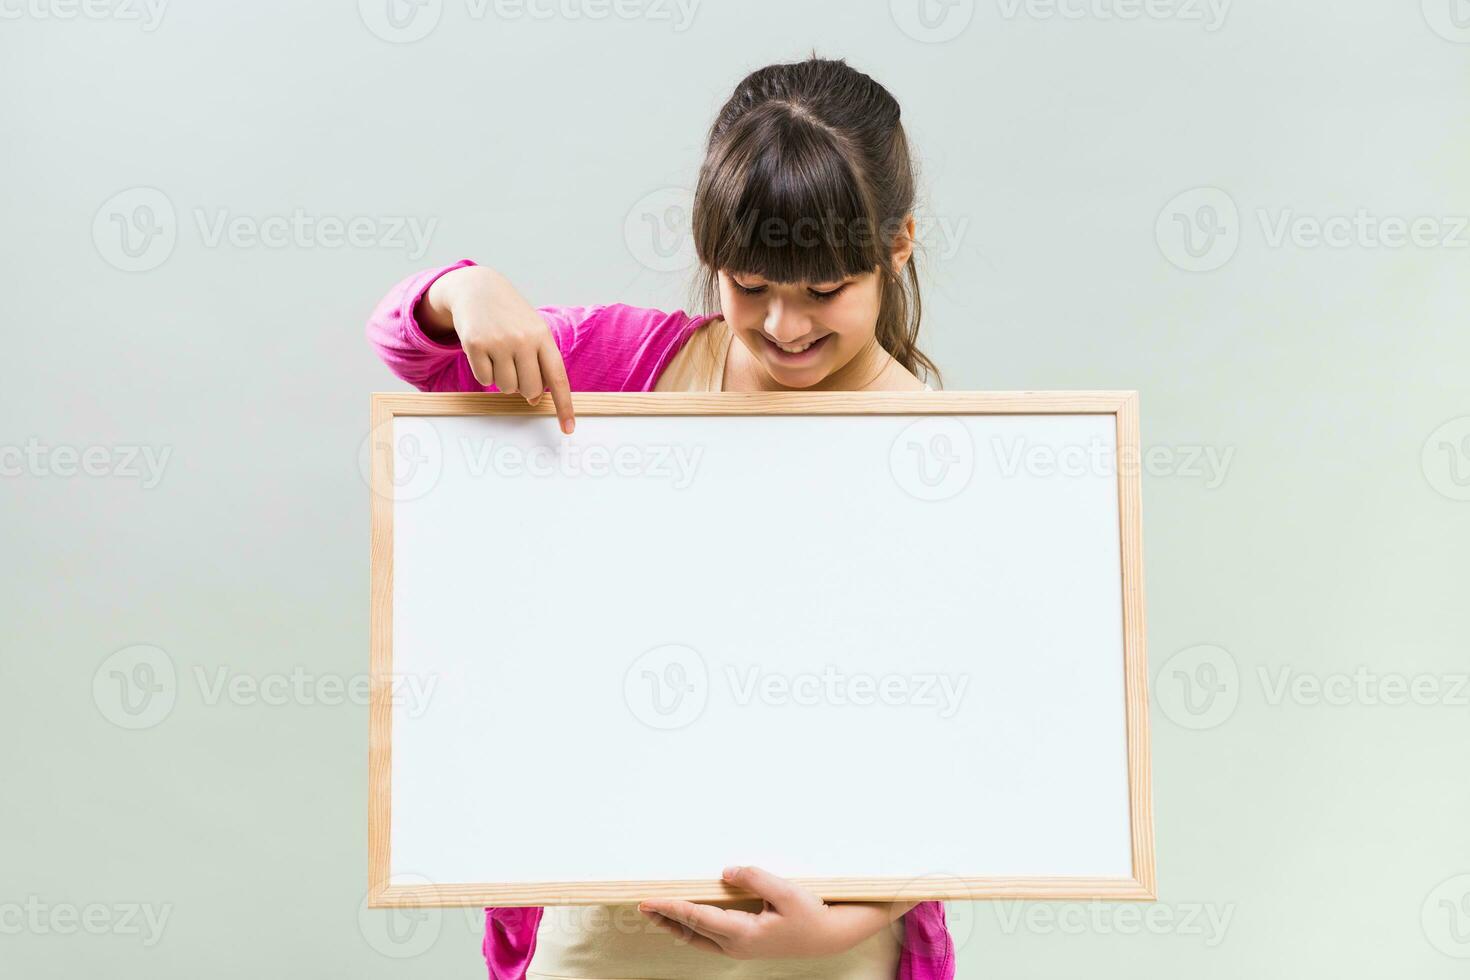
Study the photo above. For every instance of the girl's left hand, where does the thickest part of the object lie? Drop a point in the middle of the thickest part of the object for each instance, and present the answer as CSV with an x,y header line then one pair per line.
x,y
793,921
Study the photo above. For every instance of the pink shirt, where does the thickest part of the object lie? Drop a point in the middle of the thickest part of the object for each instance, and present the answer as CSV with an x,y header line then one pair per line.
x,y
604,348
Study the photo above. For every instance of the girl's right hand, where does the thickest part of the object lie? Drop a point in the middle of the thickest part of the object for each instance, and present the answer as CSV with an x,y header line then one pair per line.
x,y
505,340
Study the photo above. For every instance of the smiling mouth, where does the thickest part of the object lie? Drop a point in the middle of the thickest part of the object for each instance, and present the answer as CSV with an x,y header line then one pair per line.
x,y
794,349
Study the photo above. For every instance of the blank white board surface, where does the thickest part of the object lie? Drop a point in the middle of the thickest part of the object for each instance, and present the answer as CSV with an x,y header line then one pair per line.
x,y
844,647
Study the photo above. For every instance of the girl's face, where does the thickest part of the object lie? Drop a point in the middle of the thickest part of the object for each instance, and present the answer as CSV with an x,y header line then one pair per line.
x,y
801,333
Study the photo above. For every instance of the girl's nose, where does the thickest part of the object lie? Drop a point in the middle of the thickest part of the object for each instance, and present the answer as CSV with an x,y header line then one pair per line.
x,y
783,322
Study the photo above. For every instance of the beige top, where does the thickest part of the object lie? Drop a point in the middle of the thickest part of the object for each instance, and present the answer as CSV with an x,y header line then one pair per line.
x,y
617,942
700,363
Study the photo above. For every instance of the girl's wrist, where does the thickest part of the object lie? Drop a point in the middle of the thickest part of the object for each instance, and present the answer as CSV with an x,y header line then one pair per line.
x,y
435,310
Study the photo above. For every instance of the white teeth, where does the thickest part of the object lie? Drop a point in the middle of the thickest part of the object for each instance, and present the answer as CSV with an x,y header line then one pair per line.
x,y
794,350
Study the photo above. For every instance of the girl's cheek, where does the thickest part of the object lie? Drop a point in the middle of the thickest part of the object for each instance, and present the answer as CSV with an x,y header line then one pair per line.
x,y
856,320
744,311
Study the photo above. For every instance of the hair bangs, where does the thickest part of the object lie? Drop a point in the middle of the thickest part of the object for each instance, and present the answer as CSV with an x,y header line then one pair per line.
x,y
781,202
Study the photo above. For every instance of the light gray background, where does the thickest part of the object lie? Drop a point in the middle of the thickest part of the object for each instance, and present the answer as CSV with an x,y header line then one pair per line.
x,y
1295,836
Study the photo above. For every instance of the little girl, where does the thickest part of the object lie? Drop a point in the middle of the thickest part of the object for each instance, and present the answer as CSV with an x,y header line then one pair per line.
x,y
803,223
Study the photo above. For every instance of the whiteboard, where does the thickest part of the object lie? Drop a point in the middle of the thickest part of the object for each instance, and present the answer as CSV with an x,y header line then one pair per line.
x,y
882,652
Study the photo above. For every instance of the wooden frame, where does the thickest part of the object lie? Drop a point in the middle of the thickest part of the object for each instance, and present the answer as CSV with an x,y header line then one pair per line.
x,y
1123,405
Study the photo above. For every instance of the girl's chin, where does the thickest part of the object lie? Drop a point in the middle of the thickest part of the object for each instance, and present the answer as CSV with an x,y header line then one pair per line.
x,y
788,377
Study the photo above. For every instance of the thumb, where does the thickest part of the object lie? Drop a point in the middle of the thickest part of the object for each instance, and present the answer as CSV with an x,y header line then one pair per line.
x,y
782,895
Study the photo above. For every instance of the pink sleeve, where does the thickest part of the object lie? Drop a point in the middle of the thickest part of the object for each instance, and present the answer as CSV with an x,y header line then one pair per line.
x,y
928,948
626,348
510,941
431,366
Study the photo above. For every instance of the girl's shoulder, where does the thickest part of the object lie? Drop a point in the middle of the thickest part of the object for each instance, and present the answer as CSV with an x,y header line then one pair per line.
x,y
617,347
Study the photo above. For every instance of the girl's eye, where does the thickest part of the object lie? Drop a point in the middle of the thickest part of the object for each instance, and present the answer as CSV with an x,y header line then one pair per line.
x,y
822,297
816,294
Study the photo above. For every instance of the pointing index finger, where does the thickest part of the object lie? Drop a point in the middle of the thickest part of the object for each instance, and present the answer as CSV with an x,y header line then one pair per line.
x,y
554,373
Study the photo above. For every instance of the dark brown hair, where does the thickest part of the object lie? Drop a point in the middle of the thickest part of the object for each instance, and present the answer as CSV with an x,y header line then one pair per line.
x,y
807,178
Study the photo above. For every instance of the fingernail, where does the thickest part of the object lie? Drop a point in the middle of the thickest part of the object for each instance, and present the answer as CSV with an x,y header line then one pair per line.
x,y
568,426
642,907
732,871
